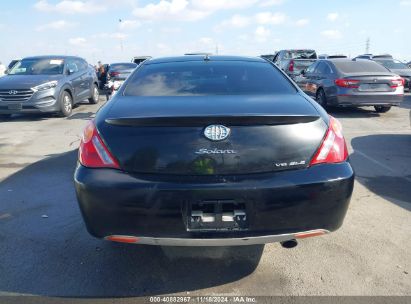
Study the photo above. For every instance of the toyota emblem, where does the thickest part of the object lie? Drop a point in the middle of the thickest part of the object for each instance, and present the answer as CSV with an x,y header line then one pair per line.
x,y
216,132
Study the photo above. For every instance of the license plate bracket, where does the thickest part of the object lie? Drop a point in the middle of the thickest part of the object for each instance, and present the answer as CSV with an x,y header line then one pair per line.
x,y
374,87
15,106
216,215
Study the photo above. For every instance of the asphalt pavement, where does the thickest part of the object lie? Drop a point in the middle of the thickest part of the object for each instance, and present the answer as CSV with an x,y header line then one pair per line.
x,y
45,249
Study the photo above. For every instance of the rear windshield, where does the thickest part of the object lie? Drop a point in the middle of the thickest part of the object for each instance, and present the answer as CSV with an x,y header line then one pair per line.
x,y
207,78
123,66
392,64
301,54
360,66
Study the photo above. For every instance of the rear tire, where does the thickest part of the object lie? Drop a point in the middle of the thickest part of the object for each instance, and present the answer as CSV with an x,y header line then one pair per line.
x,y
321,98
382,109
95,95
66,104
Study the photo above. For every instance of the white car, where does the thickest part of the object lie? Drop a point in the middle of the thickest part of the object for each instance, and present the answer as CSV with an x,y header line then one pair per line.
x,y
140,59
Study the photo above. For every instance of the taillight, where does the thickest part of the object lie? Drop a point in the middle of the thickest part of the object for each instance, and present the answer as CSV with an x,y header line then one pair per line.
x,y
397,82
291,66
347,83
92,152
333,149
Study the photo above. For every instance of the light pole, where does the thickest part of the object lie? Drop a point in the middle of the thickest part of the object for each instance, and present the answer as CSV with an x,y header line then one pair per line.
x,y
121,37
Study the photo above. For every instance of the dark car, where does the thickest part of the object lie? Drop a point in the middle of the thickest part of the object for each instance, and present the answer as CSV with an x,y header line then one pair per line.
x,y
212,150
344,82
140,59
120,71
326,56
292,62
47,84
373,57
398,68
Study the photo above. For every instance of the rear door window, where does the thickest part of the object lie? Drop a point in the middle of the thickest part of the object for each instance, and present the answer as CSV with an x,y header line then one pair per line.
x,y
311,68
72,65
323,68
81,64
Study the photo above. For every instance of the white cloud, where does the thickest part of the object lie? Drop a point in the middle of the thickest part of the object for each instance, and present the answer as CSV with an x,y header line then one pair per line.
x,y
56,25
270,18
332,16
171,30
184,10
206,41
163,49
271,3
236,21
302,22
215,5
405,3
331,34
77,41
128,24
116,35
169,10
262,34
70,7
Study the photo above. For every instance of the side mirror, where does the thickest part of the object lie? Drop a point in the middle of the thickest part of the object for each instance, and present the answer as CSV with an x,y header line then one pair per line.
x,y
70,71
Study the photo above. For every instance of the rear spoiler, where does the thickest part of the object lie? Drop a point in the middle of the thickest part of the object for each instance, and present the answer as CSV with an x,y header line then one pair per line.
x,y
185,121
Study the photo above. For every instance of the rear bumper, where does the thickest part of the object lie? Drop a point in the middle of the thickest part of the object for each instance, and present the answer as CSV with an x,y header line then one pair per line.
x,y
257,240
278,204
367,100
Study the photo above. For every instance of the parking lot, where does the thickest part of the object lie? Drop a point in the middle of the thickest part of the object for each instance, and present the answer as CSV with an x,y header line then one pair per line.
x,y
45,249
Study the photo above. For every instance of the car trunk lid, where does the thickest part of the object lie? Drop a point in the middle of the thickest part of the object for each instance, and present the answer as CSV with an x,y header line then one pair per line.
x,y
371,82
165,135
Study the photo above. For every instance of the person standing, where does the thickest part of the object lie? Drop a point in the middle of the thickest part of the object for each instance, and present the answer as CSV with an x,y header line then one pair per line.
x,y
101,74
2,69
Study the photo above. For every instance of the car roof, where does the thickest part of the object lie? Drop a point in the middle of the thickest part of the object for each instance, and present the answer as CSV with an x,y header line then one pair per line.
x,y
340,60
52,57
298,50
127,62
203,58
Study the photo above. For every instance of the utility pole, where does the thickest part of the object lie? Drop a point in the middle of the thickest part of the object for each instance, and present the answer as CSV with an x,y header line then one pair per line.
x,y
216,49
121,38
367,46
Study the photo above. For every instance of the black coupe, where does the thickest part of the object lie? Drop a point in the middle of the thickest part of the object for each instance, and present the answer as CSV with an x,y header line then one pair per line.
x,y
209,151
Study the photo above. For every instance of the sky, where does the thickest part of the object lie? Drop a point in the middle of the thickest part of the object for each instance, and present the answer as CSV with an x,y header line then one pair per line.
x,y
117,30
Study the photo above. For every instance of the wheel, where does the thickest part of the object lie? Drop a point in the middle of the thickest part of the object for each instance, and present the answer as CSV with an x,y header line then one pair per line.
x,y
66,104
382,109
95,95
321,98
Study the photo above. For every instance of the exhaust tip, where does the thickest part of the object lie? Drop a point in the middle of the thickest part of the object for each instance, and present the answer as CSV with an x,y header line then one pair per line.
x,y
289,244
